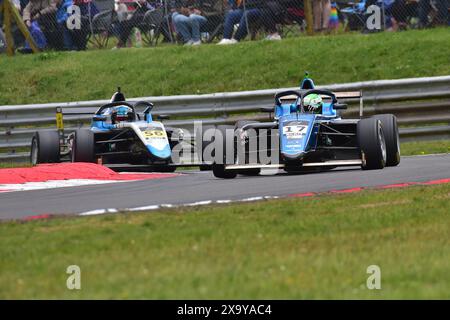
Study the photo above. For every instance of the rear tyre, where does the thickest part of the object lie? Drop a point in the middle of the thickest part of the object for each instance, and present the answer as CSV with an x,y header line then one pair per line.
x,y
220,141
83,145
45,147
371,143
390,130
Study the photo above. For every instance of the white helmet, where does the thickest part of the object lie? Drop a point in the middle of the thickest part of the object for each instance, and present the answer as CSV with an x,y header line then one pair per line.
x,y
312,102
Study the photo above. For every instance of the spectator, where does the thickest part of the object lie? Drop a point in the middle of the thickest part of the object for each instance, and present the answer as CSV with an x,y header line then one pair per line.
x,y
43,12
127,25
402,11
61,18
87,11
254,9
424,8
213,11
271,15
321,12
188,21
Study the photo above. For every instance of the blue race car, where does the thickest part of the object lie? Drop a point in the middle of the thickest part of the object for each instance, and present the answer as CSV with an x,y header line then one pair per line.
x,y
118,135
307,133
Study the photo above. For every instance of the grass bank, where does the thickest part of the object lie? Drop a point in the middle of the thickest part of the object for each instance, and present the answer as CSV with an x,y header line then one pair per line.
x,y
171,70
318,247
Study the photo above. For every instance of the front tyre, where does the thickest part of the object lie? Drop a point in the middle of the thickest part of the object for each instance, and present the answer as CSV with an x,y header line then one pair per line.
x,y
220,143
372,143
391,135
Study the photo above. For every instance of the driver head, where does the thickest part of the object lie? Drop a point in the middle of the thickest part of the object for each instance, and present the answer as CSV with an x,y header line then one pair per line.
x,y
313,103
121,113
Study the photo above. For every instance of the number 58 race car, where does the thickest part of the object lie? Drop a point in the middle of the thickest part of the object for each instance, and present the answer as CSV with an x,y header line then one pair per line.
x,y
118,135
307,133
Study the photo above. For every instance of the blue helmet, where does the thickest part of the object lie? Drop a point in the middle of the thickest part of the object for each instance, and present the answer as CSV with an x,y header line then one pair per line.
x,y
121,113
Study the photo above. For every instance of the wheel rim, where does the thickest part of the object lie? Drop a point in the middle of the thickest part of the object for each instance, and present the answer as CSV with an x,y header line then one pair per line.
x,y
382,144
72,151
398,144
34,152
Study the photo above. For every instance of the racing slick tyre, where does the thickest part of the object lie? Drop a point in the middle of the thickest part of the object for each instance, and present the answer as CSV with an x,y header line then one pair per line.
x,y
205,143
248,172
83,144
220,140
371,143
390,129
45,147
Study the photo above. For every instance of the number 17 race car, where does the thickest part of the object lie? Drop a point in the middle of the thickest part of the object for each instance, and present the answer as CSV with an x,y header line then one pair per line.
x,y
118,135
307,133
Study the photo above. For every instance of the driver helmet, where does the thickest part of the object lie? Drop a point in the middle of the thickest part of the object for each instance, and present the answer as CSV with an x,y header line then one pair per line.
x,y
313,102
121,113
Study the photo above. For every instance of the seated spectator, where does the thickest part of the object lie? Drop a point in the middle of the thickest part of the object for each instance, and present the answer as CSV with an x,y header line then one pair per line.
x,y
424,8
254,11
88,10
321,11
61,18
213,11
43,12
271,15
402,11
128,24
188,21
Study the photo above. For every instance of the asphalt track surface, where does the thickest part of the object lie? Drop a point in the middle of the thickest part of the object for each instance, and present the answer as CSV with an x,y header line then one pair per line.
x,y
198,186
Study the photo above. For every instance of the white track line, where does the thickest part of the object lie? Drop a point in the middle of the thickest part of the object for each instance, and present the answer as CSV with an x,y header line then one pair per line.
x,y
171,206
52,184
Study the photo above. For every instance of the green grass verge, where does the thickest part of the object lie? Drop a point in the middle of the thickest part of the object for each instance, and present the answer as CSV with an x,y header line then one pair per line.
x,y
317,247
14,164
171,70
413,148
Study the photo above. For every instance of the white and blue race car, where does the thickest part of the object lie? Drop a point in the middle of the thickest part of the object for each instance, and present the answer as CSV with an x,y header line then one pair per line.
x,y
118,135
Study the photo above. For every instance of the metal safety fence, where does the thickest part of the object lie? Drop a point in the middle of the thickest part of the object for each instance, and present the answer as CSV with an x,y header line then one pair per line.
x,y
422,106
89,24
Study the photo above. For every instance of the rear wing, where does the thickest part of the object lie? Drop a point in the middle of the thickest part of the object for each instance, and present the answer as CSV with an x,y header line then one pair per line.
x,y
339,95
